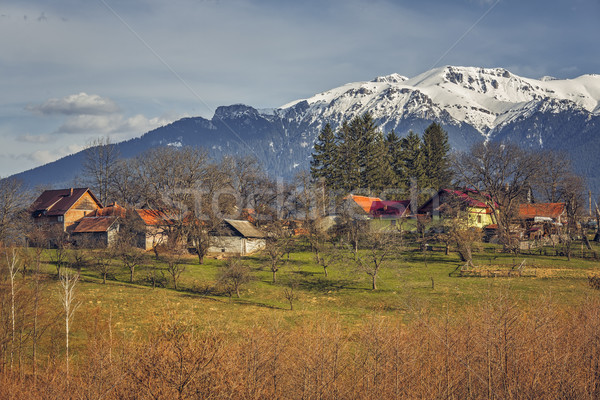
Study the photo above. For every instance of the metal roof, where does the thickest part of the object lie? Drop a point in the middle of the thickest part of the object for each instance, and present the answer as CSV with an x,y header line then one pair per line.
x,y
58,202
245,228
94,224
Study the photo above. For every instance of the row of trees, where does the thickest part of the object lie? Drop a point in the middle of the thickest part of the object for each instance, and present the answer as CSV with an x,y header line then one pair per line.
x,y
359,157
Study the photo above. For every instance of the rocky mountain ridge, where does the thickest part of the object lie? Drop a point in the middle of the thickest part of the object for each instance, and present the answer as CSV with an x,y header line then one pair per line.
x,y
471,103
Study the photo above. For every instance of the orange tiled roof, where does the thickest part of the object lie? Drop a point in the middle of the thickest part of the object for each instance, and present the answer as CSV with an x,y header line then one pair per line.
x,y
365,202
110,211
377,207
549,210
154,217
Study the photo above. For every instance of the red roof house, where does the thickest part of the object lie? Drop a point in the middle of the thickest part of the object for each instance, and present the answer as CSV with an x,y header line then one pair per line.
x,y
64,207
547,211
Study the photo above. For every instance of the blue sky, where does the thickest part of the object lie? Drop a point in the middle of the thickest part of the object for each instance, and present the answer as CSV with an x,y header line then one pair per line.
x,y
72,71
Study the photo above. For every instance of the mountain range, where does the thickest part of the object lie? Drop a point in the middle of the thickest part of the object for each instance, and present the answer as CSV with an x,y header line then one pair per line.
x,y
472,104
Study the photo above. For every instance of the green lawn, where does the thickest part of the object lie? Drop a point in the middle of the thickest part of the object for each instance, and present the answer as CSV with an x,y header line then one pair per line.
x,y
410,283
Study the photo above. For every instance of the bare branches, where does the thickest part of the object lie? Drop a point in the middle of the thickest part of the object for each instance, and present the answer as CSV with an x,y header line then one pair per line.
x,y
100,167
503,174
68,282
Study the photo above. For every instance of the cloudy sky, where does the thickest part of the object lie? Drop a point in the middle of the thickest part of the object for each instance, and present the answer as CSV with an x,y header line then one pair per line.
x,y
72,71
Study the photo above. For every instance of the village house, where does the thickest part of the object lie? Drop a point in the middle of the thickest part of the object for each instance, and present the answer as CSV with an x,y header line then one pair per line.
x,y
237,237
64,207
99,228
381,214
479,215
538,220
156,225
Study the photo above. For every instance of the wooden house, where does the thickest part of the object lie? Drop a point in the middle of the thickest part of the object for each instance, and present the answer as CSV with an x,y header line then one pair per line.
x,y
237,237
479,215
100,228
64,207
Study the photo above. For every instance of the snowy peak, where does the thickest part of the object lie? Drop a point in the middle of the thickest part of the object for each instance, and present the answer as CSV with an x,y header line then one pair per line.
x,y
480,97
392,78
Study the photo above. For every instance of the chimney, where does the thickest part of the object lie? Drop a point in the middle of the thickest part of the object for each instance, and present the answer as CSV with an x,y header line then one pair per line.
x,y
71,194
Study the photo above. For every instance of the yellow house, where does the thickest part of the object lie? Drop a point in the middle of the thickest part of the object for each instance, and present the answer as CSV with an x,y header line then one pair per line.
x,y
479,215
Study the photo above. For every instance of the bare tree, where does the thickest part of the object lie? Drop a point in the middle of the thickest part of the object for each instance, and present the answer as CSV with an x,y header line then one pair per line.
x,y
377,249
58,241
13,264
277,246
169,177
330,255
571,191
125,185
233,275
503,173
553,171
174,265
68,282
244,175
126,245
103,262
100,166
12,198
290,292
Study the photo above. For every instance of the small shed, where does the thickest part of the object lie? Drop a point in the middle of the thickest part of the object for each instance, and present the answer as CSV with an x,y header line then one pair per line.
x,y
237,237
96,231
99,228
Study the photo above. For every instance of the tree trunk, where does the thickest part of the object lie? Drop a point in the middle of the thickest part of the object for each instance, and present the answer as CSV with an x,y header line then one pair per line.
x,y
200,257
374,286
131,270
274,275
325,270
237,291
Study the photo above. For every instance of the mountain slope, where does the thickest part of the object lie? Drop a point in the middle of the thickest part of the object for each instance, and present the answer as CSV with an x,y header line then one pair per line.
x,y
471,103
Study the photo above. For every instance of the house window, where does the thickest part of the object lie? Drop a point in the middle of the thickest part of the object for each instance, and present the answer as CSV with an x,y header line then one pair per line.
x,y
479,219
393,222
61,218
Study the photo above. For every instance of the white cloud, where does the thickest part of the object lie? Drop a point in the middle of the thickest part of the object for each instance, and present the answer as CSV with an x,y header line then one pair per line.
x,y
27,138
109,124
48,155
77,104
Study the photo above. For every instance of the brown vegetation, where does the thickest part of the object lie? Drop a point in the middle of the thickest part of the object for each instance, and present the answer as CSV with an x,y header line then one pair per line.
x,y
494,350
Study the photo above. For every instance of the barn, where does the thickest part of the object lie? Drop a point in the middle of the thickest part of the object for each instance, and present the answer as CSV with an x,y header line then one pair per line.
x,y
237,237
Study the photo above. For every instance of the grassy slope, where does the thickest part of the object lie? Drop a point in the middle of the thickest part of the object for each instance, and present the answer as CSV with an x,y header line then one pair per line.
x,y
405,289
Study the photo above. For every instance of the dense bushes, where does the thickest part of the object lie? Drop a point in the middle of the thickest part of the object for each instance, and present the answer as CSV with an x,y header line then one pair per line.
x,y
499,349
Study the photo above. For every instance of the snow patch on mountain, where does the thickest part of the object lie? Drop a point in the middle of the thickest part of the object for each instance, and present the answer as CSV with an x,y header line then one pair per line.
x,y
481,97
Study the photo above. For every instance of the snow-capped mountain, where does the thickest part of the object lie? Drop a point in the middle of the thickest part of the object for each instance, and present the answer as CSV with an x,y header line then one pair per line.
x,y
483,98
472,104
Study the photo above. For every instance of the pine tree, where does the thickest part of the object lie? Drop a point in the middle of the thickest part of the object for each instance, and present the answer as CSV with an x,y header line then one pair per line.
x,y
347,164
411,148
323,163
370,153
393,143
436,164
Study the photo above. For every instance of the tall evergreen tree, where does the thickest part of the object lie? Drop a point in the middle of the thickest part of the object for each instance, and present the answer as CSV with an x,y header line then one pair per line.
x,y
411,148
436,163
323,162
393,143
347,164
370,153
